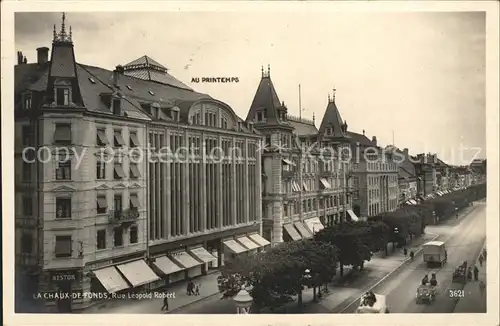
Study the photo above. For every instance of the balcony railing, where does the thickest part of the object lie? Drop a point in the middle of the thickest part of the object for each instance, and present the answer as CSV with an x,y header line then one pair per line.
x,y
129,215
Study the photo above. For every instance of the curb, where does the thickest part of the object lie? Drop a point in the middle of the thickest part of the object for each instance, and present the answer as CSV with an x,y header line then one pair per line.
x,y
387,275
192,303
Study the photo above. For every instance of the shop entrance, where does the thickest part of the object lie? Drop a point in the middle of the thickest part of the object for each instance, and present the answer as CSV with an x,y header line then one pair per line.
x,y
64,304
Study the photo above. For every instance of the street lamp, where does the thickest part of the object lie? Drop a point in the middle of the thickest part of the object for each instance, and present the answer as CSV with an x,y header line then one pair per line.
x,y
243,302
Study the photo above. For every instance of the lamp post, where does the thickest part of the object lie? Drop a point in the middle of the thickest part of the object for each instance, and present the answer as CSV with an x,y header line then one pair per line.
x,y
243,302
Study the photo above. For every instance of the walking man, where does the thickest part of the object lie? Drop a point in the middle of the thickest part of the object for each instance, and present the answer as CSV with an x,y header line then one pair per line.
x,y
482,287
476,273
480,260
165,302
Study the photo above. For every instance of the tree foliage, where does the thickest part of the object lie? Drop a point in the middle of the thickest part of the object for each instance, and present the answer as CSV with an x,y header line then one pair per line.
x,y
276,275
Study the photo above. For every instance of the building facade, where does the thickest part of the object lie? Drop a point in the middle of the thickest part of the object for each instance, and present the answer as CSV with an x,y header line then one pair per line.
x,y
82,206
305,186
425,169
139,181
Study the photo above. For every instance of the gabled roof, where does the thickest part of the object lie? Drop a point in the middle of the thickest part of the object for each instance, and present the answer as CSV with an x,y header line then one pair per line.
x,y
359,138
303,127
332,119
149,69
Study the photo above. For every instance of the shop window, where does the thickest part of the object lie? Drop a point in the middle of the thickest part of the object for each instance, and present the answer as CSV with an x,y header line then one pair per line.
x,y
101,239
26,172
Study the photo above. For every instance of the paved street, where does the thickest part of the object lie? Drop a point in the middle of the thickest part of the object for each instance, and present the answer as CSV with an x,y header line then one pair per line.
x,y
464,242
342,296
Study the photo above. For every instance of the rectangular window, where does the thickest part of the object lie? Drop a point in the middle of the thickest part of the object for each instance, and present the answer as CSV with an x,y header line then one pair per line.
x,y
134,202
28,206
26,172
102,206
62,134
26,243
63,169
134,234
118,205
118,237
100,170
117,106
119,173
62,96
63,207
118,139
102,140
63,246
101,239
134,171
27,101
134,141
26,136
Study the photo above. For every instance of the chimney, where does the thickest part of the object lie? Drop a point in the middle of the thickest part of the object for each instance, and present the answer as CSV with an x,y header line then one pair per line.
x,y
19,58
405,151
42,55
374,140
116,75
363,132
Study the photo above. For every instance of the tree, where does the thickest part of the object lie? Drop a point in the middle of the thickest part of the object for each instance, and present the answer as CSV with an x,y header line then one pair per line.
x,y
350,238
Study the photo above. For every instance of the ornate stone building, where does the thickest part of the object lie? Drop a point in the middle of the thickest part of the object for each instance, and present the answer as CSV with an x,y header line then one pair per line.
x,y
305,184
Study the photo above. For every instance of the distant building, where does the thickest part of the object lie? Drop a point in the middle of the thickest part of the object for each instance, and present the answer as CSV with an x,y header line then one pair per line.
x,y
425,168
407,177
478,171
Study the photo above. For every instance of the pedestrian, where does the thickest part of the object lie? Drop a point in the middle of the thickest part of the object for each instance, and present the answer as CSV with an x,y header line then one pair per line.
x,y
405,252
482,287
469,273
480,260
165,302
476,273
190,286
197,289
412,255
484,254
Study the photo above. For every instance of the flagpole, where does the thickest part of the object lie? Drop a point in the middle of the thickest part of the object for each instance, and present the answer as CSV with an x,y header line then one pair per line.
x,y
300,105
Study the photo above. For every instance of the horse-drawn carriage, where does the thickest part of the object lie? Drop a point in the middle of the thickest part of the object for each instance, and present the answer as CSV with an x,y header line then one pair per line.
x,y
460,274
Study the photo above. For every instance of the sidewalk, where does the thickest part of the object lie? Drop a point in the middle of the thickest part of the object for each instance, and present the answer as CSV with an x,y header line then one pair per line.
x,y
473,301
351,286
208,287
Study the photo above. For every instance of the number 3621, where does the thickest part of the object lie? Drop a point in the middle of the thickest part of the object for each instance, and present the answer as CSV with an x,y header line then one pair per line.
x,y
456,293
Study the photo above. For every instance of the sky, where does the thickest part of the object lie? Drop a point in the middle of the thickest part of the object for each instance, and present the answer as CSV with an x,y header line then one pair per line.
x,y
417,78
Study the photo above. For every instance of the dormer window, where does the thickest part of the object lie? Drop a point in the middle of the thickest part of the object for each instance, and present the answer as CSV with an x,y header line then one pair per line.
x,y
27,101
223,123
117,106
328,131
259,116
62,96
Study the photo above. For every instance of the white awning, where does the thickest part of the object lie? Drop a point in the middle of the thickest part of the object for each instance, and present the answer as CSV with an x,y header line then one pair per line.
x,y
234,246
166,265
202,254
247,243
325,183
352,215
295,186
408,202
259,239
111,279
290,230
286,161
314,224
413,201
138,273
185,259
304,232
